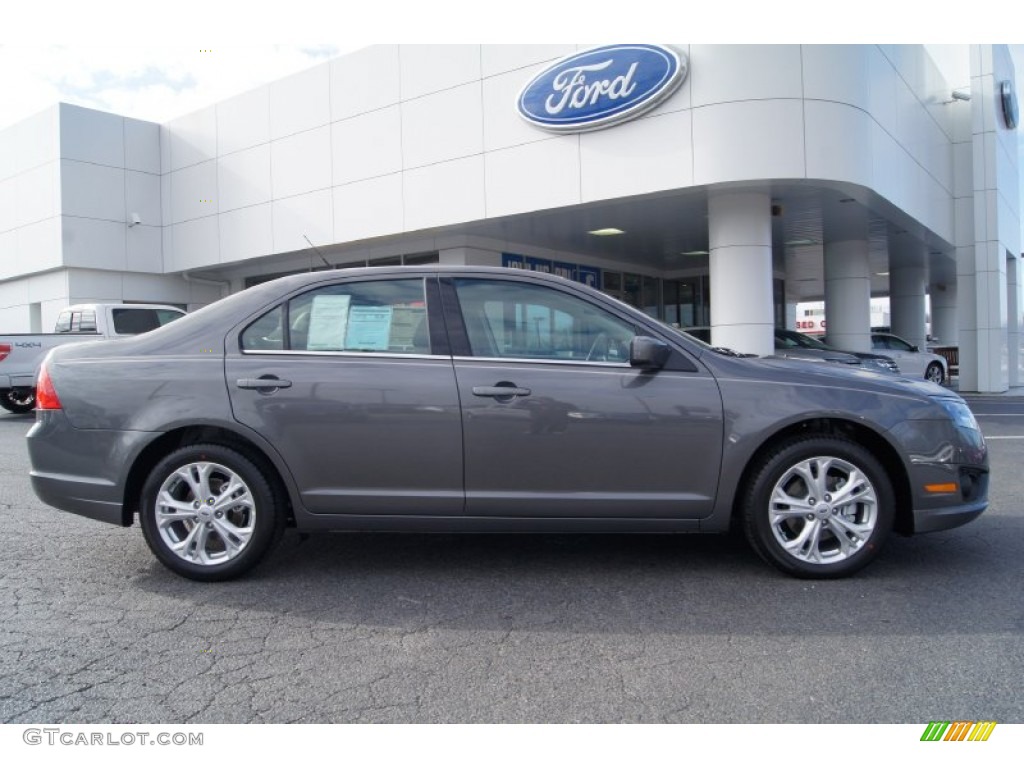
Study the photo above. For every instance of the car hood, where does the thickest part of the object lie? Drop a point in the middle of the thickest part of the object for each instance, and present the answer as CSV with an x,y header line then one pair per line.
x,y
782,370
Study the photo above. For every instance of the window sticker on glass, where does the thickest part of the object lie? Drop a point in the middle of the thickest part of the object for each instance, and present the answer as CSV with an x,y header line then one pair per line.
x,y
328,322
405,322
369,328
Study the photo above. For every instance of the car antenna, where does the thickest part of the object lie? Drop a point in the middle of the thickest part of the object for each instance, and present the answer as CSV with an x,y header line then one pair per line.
x,y
322,258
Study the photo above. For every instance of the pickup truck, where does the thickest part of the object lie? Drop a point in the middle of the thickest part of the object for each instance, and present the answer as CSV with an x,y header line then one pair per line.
x,y
22,353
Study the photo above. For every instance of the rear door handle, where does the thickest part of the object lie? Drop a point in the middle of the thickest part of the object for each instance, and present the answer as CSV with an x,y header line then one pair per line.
x,y
501,391
264,384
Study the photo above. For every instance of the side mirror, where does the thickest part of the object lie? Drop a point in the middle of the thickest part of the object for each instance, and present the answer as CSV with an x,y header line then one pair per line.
x,y
648,354
913,348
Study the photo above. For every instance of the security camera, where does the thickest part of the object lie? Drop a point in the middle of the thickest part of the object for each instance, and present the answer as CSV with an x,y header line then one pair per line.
x,y
136,219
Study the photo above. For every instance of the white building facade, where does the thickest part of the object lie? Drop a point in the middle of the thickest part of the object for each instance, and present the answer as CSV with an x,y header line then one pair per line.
x,y
769,175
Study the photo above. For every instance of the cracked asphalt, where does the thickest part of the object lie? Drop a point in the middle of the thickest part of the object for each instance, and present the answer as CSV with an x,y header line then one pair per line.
x,y
417,628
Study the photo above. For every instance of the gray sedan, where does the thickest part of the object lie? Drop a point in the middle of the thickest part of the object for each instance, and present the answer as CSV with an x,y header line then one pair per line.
x,y
474,399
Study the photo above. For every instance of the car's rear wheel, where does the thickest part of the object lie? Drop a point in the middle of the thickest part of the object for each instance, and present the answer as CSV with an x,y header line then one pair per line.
x,y
208,513
18,400
934,373
818,507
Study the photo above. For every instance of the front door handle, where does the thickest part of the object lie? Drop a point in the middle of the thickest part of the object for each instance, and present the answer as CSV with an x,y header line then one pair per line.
x,y
501,390
265,384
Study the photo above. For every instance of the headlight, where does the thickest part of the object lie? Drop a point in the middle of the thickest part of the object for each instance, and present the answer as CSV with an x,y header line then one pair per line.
x,y
959,412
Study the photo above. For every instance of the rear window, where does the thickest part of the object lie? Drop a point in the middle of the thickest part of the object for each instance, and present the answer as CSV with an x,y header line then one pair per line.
x,y
132,320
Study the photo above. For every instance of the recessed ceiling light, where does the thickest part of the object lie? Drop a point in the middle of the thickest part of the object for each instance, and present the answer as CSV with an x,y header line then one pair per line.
x,y
607,232
694,253
882,274
802,241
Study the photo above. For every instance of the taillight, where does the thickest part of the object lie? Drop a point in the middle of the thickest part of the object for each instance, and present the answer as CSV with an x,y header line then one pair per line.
x,y
5,350
46,395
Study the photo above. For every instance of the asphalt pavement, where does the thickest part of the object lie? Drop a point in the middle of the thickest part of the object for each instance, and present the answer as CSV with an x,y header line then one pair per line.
x,y
445,628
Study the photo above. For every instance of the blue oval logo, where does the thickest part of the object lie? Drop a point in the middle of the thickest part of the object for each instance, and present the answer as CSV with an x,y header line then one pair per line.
x,y
601,87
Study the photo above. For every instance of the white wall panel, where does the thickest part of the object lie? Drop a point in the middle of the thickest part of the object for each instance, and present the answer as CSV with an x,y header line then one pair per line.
x,y
47,287
838,142
432,68
364,81
503,127
93,243
368,208
496,59
536,176
193,192
837,73
94,285
9,264
91,136
243,178
243,121
309,215
300,102
8,214
884,93
30,142
367,145
142,197
301,163
462,199
141,145
144,249
442,126
37,194
748,140
193,138
196,245
645,155
246,233
92,191
722,73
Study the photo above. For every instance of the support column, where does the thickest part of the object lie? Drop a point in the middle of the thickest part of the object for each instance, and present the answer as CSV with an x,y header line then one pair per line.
x,y
1013,330
848,295
907,278
943,301
740,235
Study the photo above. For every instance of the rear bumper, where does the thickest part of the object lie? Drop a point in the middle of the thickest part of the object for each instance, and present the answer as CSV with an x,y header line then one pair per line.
x,y
83,496
83,471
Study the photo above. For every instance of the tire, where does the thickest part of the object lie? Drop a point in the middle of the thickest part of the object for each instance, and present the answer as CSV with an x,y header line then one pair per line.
x,y
18,401
934,373
793,511
210,514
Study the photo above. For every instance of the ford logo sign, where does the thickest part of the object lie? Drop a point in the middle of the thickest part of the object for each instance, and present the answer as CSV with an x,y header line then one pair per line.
x,y
601,87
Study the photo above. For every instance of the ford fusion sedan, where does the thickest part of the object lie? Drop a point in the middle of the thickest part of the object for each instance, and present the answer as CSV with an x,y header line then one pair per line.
x,y
474,399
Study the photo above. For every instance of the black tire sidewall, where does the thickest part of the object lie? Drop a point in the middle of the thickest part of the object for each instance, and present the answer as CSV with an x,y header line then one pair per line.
x,y
268,524
757,523
9,402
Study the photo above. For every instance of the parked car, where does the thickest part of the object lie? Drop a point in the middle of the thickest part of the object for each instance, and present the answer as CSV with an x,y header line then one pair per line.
x,y
801,346
911,360
21,353
476,399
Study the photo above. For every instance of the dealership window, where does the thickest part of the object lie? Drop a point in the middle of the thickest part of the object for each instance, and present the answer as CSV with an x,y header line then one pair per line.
x,y
367,316
508,319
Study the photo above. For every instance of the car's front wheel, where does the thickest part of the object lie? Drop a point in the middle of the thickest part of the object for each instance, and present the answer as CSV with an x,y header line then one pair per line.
x,y
208,513
934,373
818,507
